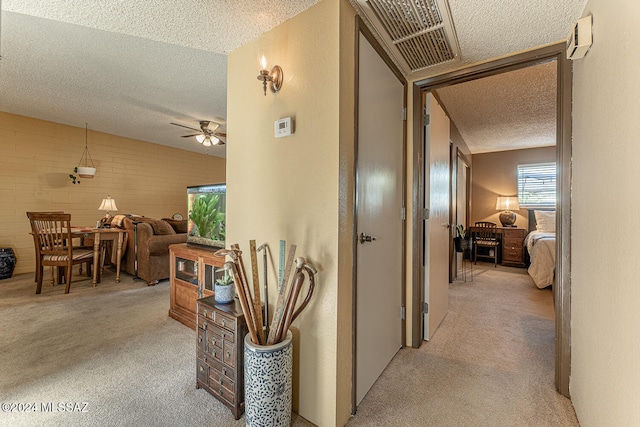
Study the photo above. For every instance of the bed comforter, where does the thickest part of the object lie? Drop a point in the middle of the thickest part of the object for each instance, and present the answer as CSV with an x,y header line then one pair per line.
x,y
542,253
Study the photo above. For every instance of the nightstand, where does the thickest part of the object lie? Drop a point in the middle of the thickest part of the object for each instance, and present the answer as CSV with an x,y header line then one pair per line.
x,y
513,246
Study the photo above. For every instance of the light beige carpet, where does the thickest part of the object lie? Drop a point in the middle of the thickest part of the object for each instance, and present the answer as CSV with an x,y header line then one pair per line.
x,y
490,363
114,347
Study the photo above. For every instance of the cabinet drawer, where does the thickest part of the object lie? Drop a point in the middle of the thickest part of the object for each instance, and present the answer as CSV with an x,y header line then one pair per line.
x,y
214,340
224,370
229,354
202,371
222,393
222,334
509,254
512,241
225,322
214,352
206,314
201,340
217,380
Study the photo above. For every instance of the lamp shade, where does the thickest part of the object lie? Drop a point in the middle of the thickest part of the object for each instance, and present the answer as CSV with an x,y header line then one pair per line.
x,y
108,204
507,204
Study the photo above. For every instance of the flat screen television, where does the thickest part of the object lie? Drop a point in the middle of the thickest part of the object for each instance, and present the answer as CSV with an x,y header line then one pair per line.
x,y
206,215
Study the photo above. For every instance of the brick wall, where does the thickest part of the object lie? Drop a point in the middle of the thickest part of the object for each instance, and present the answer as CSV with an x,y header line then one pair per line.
x,y
36,158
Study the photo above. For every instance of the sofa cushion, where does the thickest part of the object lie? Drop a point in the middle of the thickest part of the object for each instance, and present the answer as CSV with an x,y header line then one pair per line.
x,y
161,227
178,226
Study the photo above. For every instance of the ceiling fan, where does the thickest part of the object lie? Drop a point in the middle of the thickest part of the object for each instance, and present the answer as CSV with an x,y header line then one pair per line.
x,y
207,134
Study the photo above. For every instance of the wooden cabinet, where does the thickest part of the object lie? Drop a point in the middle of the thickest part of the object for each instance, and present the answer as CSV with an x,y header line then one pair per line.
x,y
192,274
220,352
513,246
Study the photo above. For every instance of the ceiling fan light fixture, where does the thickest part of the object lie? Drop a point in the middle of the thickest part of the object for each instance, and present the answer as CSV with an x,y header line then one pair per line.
x,y
208,133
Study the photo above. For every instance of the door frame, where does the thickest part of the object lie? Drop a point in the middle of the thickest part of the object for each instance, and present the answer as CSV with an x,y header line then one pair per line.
x,y
361,28
562,290
457,156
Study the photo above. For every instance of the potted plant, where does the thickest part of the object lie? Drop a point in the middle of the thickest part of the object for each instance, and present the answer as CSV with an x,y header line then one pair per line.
x,y
207,218
74,176
462,242
224,288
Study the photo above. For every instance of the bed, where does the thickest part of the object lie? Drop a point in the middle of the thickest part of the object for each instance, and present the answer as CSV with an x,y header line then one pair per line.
x,y
540,244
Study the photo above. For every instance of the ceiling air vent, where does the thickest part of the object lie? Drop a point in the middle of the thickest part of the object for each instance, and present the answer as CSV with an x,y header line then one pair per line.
x,y
417,34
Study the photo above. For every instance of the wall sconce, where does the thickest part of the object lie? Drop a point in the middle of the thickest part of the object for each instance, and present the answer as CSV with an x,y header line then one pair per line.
x,y
274,77
505,204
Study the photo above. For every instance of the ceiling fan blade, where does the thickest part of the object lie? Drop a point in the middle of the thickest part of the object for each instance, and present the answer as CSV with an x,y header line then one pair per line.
x,y
189,136
176,124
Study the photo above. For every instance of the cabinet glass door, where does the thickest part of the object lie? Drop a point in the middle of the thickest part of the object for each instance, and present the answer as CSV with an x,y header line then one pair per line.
x,y
187,270
211,274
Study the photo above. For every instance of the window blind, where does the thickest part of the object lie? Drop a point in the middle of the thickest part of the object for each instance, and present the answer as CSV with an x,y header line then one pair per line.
x,y
537,185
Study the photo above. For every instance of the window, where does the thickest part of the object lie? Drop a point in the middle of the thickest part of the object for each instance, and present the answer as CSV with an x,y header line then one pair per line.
x,y
537,185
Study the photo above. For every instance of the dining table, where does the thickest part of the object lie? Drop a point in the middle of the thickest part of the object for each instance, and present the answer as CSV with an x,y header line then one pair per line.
x,y
100,236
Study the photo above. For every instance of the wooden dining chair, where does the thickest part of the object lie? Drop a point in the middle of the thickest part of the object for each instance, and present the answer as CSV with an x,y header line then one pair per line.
x,y
54,246
35,243
486,236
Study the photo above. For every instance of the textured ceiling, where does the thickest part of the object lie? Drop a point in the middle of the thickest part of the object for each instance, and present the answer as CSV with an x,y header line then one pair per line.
x,y
518,109
130,68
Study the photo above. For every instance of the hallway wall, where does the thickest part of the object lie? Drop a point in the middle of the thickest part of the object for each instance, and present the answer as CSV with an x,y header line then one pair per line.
x,y
605,379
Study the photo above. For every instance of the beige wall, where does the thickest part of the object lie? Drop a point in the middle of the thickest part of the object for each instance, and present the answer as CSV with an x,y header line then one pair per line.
x,y
495,174
605,289
38,156
299,188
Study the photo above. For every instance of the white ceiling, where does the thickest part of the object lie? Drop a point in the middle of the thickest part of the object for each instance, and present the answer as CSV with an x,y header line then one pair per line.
x,y
130,68
508,111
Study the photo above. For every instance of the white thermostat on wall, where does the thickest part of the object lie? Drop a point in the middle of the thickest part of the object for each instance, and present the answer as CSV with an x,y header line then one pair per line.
x,y
282,127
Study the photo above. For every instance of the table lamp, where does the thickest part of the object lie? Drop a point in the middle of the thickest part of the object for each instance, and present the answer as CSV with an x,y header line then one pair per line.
x,y
107,204
505,204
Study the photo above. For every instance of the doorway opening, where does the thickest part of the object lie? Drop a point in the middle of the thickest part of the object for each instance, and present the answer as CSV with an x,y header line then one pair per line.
x,y
562,286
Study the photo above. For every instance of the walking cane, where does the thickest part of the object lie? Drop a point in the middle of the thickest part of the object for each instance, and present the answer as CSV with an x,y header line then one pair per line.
x,y
263,247
135,249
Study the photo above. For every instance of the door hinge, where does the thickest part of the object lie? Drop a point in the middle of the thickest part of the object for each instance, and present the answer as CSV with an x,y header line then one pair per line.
x,y
402,312
425,308
403,213
427,119
425,213
404,113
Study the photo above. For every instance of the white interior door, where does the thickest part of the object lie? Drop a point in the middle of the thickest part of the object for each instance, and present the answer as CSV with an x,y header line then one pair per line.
x,y
379,214
437,227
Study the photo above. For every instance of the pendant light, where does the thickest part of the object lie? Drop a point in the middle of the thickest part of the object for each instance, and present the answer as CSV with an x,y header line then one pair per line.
x,y
88,169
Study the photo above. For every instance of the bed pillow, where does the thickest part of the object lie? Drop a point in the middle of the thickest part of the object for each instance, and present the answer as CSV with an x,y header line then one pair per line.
x,y
546,221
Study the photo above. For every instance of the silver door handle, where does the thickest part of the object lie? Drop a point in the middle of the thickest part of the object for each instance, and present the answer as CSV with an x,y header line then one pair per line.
x,y
364,238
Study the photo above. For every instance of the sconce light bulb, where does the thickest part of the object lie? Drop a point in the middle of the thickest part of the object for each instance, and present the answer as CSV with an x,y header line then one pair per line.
x,y
263,62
